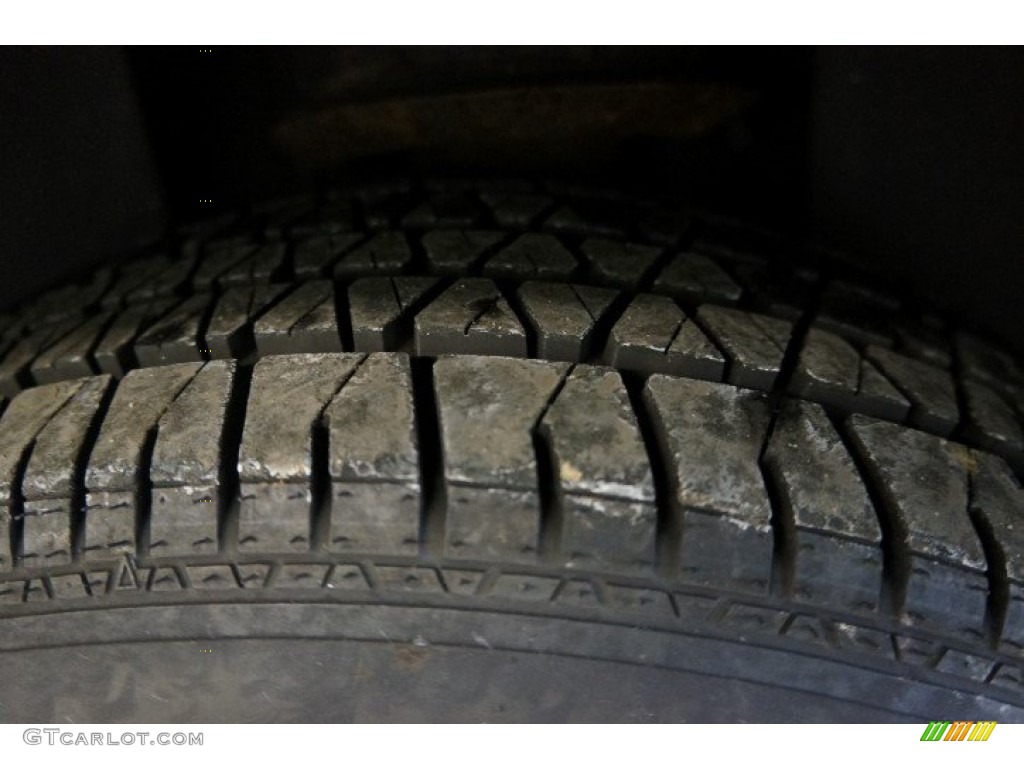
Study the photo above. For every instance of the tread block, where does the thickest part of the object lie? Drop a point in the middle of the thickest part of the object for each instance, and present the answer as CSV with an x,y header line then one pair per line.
x,y
838,538
532,255
454,252
925,339
229,332
697,278
617,264
600,218
470,318
384,253
984,361
564,317
516,210
777,292
48,483
924,481
185,465
19,357
304,321
25,417
447,209
315,256
374,460
287,397
379,307
999,501
711,436
218,259
488,410
333,218
69,357
260,267
655,336
929,389
113,353
383,208
134,275
117,461
603,473
755,344
175,337
832,372
163,283
859,313
991,421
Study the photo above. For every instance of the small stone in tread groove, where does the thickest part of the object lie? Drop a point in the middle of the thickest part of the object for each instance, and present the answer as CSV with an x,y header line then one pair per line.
x,y
488,408
930,390
654,336
185,465
604,475
384,253
287,396
314,256
711,435
617,264
695,277
304,321
229,333
175,337
452,252
532,255
379,305
374,460
755,344
470,318
563,317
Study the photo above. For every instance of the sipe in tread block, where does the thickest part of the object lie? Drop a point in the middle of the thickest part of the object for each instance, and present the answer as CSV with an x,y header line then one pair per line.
x,y
287,398
470,318
115,506
923,481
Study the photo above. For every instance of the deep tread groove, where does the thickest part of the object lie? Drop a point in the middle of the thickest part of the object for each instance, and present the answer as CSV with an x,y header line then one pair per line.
x,y
78,489
433,491
784,551
230,445
342,317
896,563
999,583
552,513
668,536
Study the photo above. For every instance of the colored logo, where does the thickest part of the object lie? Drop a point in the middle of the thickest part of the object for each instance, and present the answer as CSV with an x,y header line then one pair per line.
x,y
958,731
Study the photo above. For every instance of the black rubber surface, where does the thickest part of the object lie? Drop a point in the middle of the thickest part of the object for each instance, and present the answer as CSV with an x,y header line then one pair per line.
x,y
508,400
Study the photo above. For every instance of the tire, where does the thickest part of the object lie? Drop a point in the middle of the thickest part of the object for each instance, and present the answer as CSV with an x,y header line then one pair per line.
x,y
504,452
